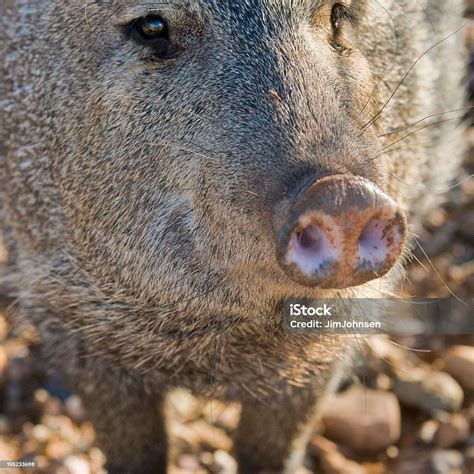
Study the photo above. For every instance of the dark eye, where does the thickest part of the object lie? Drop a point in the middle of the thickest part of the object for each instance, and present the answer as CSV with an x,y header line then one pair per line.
x,y
152,27
339,15
152,31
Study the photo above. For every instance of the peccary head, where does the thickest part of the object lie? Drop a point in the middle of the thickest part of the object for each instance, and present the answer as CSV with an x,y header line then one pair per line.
x,y
182,128
177,139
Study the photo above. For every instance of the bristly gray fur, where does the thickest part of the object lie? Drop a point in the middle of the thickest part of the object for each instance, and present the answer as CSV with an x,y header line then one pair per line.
x,y
137,195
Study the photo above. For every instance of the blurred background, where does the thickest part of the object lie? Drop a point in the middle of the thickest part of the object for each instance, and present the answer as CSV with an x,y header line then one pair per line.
x,y
409,408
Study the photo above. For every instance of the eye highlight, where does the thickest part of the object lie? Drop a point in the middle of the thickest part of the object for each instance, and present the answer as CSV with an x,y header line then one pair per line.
x,y
152,27
152,32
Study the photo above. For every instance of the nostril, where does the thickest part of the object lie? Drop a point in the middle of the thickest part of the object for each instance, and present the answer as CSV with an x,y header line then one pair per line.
x,y
311,250
374,242
310,239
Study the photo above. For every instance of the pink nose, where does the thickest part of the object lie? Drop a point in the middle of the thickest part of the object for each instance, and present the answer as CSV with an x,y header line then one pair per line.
x,y
343,231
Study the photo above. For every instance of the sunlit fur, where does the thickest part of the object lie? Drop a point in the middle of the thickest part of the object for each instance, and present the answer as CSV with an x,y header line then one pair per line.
x,y
138,195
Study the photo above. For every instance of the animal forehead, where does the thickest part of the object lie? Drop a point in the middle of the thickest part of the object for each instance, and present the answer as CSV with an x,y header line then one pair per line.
x,y
231,6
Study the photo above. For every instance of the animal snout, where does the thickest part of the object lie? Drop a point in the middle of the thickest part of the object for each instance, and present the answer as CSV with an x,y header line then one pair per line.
x,y
342,231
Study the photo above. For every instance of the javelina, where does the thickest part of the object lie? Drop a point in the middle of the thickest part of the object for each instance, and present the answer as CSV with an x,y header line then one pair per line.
x,y
174,170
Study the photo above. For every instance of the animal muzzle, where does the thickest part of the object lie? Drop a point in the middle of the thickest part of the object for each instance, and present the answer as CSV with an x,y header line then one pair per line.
x,y
342,231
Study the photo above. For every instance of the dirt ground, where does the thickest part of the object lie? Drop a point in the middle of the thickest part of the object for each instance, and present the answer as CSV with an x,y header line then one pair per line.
x,y
421,414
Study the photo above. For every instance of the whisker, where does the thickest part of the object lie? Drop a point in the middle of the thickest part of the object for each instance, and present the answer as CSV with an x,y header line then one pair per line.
x,y
403,370
433,190
427,16
397,50
410,69
438,274
425,118
409,145
414,257
418,130
411,349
